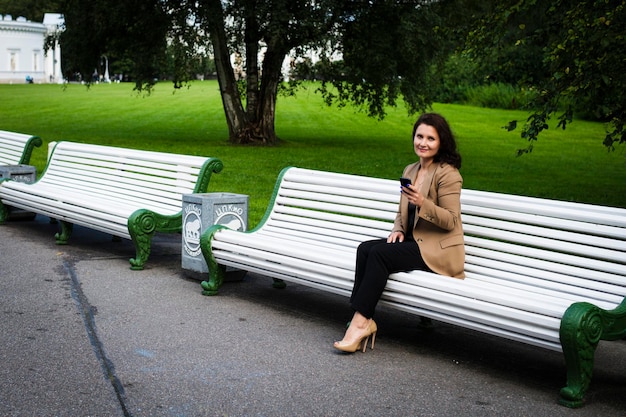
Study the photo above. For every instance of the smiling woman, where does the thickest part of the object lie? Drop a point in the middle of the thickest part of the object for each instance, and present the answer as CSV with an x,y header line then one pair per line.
x,y
191,121
426,142
427,233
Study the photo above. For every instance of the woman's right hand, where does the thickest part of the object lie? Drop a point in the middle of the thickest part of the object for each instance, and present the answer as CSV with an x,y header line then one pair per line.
x,y
395,237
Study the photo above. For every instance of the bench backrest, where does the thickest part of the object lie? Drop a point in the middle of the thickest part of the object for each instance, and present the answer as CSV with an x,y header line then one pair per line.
x,y
154,180
16,148
575,248
570,247
330,207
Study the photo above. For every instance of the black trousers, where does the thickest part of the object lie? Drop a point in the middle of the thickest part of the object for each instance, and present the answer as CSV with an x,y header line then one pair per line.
x,y
375,260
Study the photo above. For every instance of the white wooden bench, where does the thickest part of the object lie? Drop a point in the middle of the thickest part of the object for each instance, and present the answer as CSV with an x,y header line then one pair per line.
x,y
17,148
542,272
128,193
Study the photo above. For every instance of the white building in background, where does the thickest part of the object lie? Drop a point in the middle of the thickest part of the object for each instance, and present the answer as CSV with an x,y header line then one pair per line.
x,y
22,53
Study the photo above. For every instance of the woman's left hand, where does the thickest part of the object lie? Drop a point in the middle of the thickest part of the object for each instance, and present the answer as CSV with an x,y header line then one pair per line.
x,y
413,195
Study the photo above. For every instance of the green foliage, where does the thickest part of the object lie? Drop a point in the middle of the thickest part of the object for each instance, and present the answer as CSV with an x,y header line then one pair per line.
x,y
454,76
30,9
577,47
387,48
131,31
183,64
462,80
498,96
565,56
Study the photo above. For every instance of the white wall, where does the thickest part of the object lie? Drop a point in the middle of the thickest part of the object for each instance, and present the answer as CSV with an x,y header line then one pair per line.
x,y
22,52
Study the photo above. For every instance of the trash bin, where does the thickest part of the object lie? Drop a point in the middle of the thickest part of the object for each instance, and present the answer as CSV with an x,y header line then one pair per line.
x,y
19,173
200,211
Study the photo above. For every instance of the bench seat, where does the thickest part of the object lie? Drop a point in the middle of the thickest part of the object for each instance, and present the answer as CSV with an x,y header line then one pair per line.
x,y
542,272
124,192
17,148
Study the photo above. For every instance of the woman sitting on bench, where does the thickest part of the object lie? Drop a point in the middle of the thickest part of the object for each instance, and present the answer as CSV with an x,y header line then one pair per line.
x,y
427,232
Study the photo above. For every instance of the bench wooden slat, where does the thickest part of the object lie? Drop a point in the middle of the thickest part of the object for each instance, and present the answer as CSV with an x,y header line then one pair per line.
x,y
136,196
529,331
499,318
293,272
313,235
99,174
349,190
175,179
320,256
334,208
498,296
396,303
590,229
103,222
490,198
557,261
16,148
557,247
304,237
92,151
536,279
346,231
357,203
10,153
348,181
550,304
122,204
331,217
51,200
550,208
135,188
554,232
346,247
128,168
544,270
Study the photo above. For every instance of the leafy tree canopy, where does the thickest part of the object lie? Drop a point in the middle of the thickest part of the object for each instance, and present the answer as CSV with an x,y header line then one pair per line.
x,y
385,46
568,53
32,10
579,46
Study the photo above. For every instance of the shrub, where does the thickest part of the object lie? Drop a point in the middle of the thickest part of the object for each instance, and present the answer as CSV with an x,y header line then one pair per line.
x,y
498,96
453,77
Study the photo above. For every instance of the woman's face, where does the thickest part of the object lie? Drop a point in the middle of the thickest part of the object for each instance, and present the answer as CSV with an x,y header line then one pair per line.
x,y
426,142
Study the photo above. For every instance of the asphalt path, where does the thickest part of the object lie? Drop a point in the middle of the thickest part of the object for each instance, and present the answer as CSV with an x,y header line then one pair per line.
x,y
83,335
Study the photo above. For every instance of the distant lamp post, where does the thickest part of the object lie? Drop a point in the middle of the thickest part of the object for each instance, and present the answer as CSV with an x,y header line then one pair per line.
x,y
106,69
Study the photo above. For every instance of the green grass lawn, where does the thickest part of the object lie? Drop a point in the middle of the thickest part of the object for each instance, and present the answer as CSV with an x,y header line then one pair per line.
x,y
566,165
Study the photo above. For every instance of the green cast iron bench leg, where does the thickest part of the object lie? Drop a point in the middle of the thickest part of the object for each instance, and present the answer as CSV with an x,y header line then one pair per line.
x,y
582,327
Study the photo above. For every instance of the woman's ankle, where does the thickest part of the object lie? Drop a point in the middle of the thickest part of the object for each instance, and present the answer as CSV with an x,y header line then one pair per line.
x,y
359,320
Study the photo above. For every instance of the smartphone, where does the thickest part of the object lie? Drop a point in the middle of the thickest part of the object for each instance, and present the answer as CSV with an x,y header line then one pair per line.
x,y
405,182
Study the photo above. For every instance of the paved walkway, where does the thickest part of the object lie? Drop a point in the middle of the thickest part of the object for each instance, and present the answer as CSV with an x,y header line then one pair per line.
x,y
83,335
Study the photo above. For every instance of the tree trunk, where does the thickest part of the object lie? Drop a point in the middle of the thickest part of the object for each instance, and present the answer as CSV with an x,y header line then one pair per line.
x,y
255,125
251,40
231,99
266,114
270,79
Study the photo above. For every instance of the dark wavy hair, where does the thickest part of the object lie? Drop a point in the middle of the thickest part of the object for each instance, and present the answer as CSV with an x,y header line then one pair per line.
x,y
447,147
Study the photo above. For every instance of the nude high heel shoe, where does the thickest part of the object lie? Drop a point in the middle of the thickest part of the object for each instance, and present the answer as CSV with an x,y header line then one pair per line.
x,y
373,328
361,341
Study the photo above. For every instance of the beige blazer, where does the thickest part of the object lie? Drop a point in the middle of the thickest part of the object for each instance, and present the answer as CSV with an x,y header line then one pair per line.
x,y
437,230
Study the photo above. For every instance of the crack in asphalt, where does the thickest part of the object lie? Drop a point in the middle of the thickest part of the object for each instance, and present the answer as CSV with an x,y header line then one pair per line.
x,y
87,313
